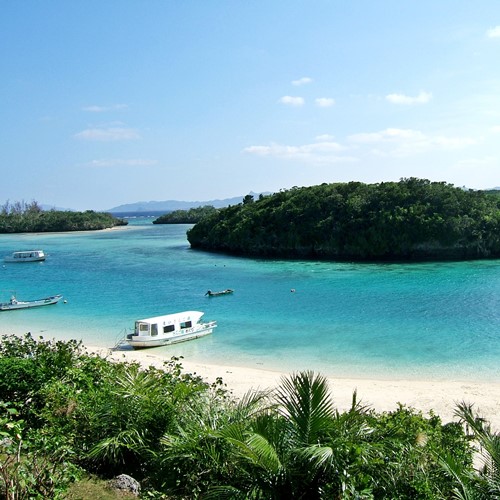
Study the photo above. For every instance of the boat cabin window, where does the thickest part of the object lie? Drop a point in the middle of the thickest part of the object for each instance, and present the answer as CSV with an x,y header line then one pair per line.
x,y
186,324
154,329
168,328
142,327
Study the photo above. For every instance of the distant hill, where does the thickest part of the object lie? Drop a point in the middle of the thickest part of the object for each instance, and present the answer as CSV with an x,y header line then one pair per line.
x,y
171,205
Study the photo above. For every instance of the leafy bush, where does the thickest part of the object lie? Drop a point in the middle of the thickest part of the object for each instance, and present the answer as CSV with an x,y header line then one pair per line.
x,y
73,414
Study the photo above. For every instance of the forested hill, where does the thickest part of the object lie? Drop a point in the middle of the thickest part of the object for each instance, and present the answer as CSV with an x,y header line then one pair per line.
x,y
413,219
190,216
23,217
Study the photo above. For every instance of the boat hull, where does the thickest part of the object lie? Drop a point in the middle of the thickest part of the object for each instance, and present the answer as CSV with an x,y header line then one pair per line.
x,y
138,342
20,304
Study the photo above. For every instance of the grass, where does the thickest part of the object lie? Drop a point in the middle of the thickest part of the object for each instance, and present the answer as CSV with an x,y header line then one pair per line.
x,y
91,488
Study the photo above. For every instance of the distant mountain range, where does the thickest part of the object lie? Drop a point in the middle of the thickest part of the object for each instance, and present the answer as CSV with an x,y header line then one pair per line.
x,y
171,205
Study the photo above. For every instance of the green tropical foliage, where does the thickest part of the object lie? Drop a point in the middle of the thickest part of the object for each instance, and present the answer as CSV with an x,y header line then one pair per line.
x,y
407,220
191,216
21,217
485,483
67,414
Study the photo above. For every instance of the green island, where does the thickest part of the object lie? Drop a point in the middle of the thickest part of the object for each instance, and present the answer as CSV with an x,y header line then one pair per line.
x,y
190,216
71,422
21,217
413,219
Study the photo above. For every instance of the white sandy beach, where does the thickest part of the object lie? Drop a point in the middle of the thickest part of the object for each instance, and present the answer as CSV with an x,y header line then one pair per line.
x,y
382,395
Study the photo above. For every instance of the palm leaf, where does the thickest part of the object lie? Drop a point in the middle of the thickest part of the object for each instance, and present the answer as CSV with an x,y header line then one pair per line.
x,y
114,449
306,403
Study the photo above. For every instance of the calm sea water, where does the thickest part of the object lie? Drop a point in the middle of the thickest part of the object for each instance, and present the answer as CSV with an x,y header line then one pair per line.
x,y
421,321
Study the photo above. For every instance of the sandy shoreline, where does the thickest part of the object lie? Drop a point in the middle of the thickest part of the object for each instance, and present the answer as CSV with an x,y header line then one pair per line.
x,y
382,395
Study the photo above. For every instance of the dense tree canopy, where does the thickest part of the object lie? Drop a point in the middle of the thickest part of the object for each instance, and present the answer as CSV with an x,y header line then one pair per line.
x,y
191,216
65,414
23,217
407,220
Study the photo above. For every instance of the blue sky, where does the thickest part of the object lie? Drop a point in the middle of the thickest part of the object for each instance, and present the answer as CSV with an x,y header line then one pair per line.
x,y
110,102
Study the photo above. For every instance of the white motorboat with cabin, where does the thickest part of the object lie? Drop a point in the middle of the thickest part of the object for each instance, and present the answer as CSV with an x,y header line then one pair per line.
x,y
25,304
169,329
26,256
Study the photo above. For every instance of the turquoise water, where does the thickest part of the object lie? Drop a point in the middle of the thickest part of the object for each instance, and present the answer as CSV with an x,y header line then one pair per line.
x,y
420,321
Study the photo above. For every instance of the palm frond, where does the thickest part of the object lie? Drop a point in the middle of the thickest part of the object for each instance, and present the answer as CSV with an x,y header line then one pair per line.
x,y
318,456
463,479
113,449
306,403
230,493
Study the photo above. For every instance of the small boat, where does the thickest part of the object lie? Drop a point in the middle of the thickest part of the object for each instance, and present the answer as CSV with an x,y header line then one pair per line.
x,y
222,292
26,256
169,329
25,304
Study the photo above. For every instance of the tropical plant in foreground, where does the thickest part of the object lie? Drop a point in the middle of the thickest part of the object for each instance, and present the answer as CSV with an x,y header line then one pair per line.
x,y
483,483
32,464
294,449
139,408
196,454
407,445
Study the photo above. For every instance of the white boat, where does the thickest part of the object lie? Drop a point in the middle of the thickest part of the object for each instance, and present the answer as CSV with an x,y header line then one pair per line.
x,y
169,329
26,256
24,304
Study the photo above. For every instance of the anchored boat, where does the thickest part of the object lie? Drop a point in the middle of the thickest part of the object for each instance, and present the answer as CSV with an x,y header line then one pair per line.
x,y
227,291
169,329
26,256
24,304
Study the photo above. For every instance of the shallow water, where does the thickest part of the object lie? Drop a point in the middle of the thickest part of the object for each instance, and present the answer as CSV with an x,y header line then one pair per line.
x,y
422,321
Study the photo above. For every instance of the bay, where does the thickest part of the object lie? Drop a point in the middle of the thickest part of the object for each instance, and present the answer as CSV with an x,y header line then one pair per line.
x,y
413,321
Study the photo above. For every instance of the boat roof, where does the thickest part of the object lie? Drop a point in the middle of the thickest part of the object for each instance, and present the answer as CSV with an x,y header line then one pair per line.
x,y
173,317
24,251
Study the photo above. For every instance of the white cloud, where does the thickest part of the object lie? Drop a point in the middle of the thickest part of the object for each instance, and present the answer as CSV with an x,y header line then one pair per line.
x,y
389,134
103,109
389,143
302,81
487,161
324,102
110,134
324,152
407,142
292,101
324,137
495,129
421,98
115,162
493,32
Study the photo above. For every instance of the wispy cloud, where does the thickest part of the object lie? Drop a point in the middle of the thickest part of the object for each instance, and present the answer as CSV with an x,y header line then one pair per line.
x,y
493,32
406,142
109,134
391,142
496,129
102,109
292,101
321,152
324,138
302,81
421,98
324,102
116,162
